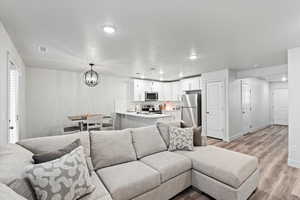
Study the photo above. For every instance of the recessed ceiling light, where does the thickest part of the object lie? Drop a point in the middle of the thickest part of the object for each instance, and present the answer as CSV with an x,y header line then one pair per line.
x,y
161,78
161,71
142,76
109,29
283,79
193,57
180,74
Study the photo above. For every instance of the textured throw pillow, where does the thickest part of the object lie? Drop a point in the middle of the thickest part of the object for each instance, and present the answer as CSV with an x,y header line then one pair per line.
x,y
45,157
199,139
163,128
181,139
147,141
66,178
23,187
8,194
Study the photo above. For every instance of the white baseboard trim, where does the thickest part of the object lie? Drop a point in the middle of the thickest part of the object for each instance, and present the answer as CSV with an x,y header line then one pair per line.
x,y
236,136
293,163
259,128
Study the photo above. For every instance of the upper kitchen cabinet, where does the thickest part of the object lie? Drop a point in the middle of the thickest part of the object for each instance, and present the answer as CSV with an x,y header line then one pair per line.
x,y
191,84
137,91
167,91
176,91
151,86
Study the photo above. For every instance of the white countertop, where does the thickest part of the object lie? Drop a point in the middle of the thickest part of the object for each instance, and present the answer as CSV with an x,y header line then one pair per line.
x,y
149,116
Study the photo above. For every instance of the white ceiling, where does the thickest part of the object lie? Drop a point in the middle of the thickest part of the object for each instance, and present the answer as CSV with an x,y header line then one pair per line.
x,y
233,34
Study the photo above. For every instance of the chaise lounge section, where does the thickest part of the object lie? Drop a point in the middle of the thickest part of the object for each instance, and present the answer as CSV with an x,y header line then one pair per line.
x,y
135,164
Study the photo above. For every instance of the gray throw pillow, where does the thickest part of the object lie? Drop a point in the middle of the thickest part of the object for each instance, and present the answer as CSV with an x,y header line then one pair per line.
x,y
147,141
45,157
48,156
8,194
110,148
199,139
23,187
181,139
66,178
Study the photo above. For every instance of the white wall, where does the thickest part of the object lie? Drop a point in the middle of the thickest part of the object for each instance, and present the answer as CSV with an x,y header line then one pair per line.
x,y
52,95
260,94
234,106
260,114
6,45
294,107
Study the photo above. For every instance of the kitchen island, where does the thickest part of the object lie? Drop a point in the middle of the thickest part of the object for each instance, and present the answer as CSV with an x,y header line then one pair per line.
x,y
134,120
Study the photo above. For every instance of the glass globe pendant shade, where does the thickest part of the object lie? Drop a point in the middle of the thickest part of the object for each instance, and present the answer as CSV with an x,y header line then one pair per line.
x,y
91,77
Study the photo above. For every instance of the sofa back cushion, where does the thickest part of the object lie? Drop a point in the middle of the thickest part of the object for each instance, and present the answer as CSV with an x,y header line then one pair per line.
x,y
13,160
163,128
147,141
7,194
53,143
111,148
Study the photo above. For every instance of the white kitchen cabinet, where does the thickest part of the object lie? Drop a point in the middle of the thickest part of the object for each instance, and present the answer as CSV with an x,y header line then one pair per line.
x,y
191,84
175,115
151,86
167,91
176,91
138,91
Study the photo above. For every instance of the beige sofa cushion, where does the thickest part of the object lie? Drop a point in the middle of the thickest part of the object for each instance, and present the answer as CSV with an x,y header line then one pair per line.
x,y
168,164
229,167
147,141
100,192
111,148
13,160
128,180
7,194
53,143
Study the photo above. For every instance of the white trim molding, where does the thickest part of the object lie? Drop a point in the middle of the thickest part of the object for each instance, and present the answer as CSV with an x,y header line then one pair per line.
x,y
293,163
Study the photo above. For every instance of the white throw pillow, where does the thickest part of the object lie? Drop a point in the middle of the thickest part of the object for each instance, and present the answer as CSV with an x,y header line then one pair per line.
x,y
66,178
181,139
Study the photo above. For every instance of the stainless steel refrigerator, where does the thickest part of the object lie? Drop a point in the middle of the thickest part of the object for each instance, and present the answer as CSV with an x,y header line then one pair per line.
x,y
191,109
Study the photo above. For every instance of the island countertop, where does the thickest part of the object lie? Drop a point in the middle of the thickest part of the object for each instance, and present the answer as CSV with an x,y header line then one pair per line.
x,y
141,115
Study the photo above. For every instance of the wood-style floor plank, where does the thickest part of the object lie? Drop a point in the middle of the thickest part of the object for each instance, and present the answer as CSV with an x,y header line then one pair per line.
x,y
278,181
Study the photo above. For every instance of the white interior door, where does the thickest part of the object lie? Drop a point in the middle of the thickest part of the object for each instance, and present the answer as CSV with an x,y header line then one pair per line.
x,y
215,110
13,103
246,107
280,106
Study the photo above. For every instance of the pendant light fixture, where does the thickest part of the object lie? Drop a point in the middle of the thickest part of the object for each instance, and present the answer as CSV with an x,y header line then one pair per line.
x,y
91,77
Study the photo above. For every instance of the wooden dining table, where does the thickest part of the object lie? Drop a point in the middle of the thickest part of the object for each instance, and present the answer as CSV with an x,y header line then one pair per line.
x,y
82,118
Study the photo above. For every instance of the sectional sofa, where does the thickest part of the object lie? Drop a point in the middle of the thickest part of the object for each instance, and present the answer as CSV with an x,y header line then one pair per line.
x,y
135,164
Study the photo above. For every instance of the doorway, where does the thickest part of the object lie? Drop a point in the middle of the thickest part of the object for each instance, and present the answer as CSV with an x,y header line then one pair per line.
x,y
215,114
13,102
280,106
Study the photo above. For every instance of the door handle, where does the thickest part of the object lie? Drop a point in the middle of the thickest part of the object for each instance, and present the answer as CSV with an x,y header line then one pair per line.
x,y
207,112
11,127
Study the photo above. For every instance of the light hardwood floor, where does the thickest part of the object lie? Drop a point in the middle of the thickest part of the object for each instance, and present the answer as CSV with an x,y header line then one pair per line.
x,y
278,181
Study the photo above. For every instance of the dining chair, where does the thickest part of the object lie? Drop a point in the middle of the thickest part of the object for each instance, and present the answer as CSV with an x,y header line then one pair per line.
x,y
94,122
108,122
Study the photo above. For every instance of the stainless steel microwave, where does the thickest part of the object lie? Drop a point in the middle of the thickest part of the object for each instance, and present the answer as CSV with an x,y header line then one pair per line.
x,y
151,96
